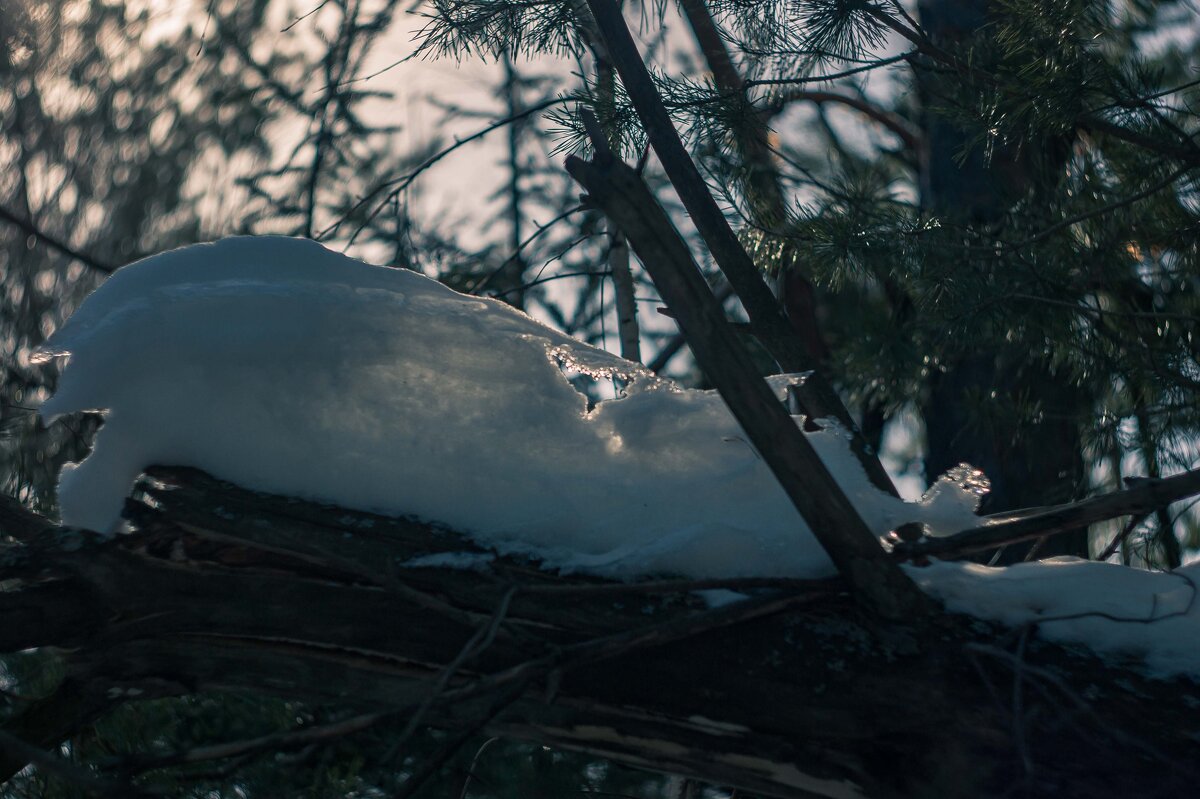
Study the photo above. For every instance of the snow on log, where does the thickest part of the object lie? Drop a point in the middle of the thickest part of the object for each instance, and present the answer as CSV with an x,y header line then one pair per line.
x,y
433,518
286,367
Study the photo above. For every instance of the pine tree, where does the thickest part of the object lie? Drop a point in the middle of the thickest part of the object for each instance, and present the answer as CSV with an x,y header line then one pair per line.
x,y
1002,239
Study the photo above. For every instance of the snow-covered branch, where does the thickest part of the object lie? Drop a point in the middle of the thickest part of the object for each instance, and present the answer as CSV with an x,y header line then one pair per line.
x,y
1143,496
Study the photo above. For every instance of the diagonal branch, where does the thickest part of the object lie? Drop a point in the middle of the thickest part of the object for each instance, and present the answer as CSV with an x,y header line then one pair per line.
x,y
888,119
55,244
766,318
618,190
741,272
1142,497
767,207
396,186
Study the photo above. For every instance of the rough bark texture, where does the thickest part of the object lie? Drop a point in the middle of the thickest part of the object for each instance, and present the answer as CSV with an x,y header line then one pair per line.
x,y
766,204
767,319
795,693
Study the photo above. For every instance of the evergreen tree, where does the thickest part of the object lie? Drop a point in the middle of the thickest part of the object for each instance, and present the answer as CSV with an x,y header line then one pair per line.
x,y
1004,238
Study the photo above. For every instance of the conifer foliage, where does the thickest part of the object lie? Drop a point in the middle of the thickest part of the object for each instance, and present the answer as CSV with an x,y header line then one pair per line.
x,y
995,196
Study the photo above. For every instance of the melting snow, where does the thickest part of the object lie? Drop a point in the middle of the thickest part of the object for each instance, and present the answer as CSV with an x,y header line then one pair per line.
x,y
1125,613
285,367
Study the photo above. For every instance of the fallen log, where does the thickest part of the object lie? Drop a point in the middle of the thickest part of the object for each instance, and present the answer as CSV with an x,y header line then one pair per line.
x,y
795,692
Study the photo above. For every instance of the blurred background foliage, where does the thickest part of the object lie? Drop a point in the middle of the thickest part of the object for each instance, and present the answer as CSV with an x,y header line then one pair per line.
x,y
989,207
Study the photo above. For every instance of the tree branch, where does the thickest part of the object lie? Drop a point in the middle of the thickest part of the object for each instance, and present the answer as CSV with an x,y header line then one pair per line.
x,y
218,589
893,122
1186,151
398,185
766,204
767,320
619,191
1144,496
65,249
741,272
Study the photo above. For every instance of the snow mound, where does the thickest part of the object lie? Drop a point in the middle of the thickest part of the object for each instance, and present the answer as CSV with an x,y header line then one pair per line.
x,y
285,367
1152,618
288,368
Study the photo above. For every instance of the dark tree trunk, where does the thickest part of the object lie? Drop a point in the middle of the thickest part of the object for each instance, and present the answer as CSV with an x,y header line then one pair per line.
x,y
1036,463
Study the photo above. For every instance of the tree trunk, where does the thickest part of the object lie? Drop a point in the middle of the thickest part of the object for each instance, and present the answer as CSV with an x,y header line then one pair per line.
x,y
1041,462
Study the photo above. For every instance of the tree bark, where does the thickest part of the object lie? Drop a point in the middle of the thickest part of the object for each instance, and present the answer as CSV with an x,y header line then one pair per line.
x,y
765,315
619,191
796,692
767,322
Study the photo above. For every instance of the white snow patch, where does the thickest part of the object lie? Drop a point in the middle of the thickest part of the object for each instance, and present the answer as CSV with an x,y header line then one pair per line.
x,y
718,727
466,561
1124,613
285,367
720,597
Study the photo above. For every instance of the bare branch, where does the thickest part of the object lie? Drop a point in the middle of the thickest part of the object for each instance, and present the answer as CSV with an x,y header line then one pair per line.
x,y
1142,497
398,185
832,76
893,122
55,244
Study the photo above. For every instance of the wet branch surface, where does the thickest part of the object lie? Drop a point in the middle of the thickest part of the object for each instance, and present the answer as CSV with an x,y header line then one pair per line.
x,y
619,191
796,692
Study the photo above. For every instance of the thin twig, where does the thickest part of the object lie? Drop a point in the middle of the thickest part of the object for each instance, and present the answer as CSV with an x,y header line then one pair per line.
x,y
1104,209
1081,705
305,16
605,647
826,78
892,121
55,244
404,181
560,276
471,768
1120,537
291,739
483,284
478,643
433,764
